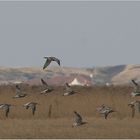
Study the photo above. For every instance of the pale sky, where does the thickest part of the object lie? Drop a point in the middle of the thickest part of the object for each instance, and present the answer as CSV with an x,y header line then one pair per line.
x,y
80,34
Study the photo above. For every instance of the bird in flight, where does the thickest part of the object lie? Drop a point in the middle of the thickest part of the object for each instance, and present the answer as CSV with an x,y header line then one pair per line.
x,y
6,107
31,105
136,91
135,105
19,93
47,88
105,110
49,60
69,90
77,119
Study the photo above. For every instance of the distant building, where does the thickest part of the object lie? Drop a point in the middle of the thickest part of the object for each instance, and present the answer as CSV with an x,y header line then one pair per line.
x,y
77,82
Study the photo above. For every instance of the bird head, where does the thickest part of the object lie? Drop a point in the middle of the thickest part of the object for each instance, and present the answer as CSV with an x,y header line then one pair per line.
x,y
75,112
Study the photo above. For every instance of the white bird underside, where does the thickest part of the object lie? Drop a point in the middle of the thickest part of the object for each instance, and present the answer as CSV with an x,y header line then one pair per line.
x,y
133,94
20,95
44,91
77,124
68,93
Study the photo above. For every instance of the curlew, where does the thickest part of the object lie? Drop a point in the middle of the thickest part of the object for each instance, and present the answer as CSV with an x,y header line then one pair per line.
x,y
32,106
19,93
136,91
49,60
135,105
105,110
69,90
47,88
6,107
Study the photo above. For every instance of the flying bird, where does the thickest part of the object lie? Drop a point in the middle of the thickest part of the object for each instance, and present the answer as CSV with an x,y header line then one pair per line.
x,y
105,110
32,106
135,105
77,119
47,88
19,93
6,107
69,90
49,60
136,86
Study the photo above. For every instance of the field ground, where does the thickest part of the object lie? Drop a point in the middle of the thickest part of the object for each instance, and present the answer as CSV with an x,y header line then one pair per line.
x,y
21,123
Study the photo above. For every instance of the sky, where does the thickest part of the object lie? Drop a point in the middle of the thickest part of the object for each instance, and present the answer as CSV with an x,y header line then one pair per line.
x,y
80,34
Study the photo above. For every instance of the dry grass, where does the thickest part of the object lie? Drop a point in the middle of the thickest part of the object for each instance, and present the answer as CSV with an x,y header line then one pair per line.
x,y
21,123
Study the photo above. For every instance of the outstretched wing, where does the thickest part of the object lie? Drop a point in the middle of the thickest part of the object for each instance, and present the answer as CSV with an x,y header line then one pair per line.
x,y
68,88
48,61
136,86
18,90
56,60
133,81
7,111
44,83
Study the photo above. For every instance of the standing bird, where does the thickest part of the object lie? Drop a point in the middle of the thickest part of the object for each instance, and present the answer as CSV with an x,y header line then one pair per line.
x,y
32,106
105,110
135,105
47,88
19,93
49,60
6,107
136,91
69,90
77,119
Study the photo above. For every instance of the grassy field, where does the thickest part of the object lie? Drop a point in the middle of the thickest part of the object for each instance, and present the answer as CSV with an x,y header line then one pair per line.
x,y
21,123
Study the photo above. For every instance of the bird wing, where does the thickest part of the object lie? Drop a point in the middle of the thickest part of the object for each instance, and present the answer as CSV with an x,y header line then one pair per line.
x,y
78,118
1,105
44,83
136,85
48,61
106,114
33,109
27,104
7,111
56,60
68,88
133,81
18,90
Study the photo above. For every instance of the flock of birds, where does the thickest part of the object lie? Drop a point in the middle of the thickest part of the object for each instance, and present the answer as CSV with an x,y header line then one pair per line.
x,y
47,89
103,109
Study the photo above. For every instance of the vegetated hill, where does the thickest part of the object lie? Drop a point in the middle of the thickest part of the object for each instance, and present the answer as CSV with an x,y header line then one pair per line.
x,y
120,74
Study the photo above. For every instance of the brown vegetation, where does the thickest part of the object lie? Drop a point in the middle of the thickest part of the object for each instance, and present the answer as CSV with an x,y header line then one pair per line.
x,y
54,115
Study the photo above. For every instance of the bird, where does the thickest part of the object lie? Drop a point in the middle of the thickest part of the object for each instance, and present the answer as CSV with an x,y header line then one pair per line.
x,y
101,107
135,105
6,107
47,88
32,106
49,60
69,90
77,119
105,110
19,93
136,91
